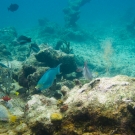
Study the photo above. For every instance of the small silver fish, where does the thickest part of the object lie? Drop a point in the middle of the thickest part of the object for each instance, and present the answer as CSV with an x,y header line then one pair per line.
x,y
86,72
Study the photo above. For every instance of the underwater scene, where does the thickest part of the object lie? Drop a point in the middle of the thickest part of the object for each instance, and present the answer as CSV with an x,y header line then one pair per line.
x,y
67,67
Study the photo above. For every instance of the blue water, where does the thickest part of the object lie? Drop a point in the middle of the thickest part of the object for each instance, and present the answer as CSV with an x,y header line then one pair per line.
x,y
108,11
30,11
105,20
93,12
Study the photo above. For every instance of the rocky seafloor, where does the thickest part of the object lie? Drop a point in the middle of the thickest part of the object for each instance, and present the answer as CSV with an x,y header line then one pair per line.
x,y
104,106
72,105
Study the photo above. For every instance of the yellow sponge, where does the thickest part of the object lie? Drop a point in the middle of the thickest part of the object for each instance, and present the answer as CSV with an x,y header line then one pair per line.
x,y
56,117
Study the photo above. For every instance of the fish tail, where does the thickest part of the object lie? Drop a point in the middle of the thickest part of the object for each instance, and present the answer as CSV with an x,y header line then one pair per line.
x,y
58,68
12,118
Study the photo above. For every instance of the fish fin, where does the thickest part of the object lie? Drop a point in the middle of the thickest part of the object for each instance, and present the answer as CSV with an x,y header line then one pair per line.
x,y
58,67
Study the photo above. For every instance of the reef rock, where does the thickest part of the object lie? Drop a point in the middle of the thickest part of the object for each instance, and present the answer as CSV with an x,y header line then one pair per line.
x,y
103,106
72,12
39,111
53,57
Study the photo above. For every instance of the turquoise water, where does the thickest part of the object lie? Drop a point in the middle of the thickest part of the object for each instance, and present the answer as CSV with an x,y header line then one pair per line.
x,y
96,11
100,33
30,11
104,36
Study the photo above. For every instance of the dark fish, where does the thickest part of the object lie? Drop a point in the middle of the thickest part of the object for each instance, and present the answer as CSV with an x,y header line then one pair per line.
x,y
13,7
23,40
34,47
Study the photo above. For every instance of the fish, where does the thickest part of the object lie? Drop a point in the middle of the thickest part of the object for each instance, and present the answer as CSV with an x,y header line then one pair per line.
x,y
34,47
6,98
86,72
95,74
47,79
16,93
13,7
12,118
6,66
79,69
3,65
23,40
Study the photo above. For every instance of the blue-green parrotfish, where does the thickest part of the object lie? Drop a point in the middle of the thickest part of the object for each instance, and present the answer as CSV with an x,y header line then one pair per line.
x,y
47,79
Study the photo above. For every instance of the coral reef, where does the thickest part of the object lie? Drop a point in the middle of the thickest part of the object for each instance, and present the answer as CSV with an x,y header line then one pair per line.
x,y
72,105
72,12
102,106
23,76
53,57
7,34
4,53
50,32
6,80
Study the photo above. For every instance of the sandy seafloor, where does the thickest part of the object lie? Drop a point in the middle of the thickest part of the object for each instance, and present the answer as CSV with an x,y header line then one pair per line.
x,y
109,51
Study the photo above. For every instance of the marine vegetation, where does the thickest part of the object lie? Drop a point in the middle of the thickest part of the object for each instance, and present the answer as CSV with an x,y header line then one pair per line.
x,y
6,80
107,47
66,48
58,44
